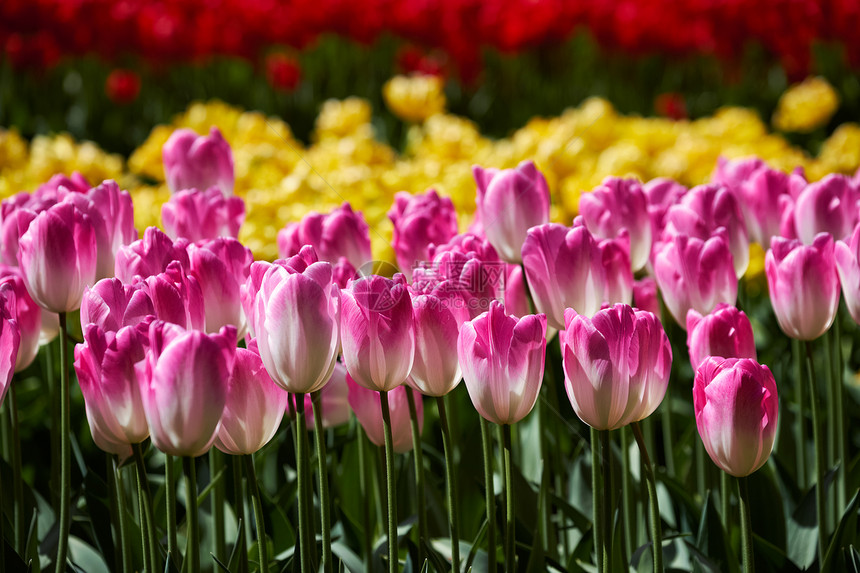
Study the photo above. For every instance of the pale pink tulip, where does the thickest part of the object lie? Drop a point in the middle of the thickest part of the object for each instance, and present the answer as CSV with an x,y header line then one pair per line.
x,y
420,221
198,161
202,215
112,304
831,205
615,205
150,255
847,255
340,233
221,266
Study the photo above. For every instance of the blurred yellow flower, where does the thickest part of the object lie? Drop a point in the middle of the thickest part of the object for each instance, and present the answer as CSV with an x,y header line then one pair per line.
x,y
806,106
415,98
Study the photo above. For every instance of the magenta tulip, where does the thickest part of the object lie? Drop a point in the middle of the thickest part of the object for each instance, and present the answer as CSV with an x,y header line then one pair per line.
x,y
735,172
502,358
111,305
27,314
615,258
202,215
367,406
254,409
184,380
10,339
197,161
847,256
804,285
564,268
150,255
831,205
104,364
616,365
615,205
516,296
510,202
221,266
726,332
334,400
176,297
697,274
737,407
378,332
296,318
57,255
341,233
420,221
661,194
702,211
645,295
766,198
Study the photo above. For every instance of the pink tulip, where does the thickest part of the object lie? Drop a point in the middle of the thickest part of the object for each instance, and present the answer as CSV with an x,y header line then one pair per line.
x,y
176,297
438,312
296,317
767,200
57,255
334,400
10,339
254,409
502,358
60,184
341,233
367,406
725,332
111,305
737,407
615,205
420,221
734,172
616,365
149,256
697,274
184,380
104,364
564,268
803,285
202,215
645,295
615,258
510,202
831,205
661,194
378,332
112,214
847,256
221,266
197,161
516,296
26,313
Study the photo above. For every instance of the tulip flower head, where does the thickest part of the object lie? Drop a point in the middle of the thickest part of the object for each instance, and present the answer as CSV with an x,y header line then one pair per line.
x,y
502,358
150,255
221,266
176,296
334,400
420,221
10,339
202,215
736,406
616,365
831,205
367,406
847,256
26,313
197,161
726,332
341,233
112,304
645,295
615,205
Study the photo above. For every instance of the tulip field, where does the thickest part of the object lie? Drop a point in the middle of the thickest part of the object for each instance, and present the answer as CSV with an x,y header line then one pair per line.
x,y
394,286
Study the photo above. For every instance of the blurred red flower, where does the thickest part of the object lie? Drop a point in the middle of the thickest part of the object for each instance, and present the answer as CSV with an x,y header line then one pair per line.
x,y
122,86
283,71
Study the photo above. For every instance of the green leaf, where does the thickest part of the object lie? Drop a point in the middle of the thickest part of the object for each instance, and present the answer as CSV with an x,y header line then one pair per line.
x,y
846,532
802,529
711,541
85,557
348,558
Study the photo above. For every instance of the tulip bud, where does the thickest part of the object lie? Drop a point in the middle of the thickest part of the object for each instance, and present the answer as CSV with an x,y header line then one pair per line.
x,y
149,256
831,205
26,313
202,215
803,285
502,358
848,266
378,332
176,297
341,233
510,202
564,268
254,408
736,407
695,273
198,162
645,295
616,365
767,200
725,332
111,305
57,255
104,364
420,221
367,406
615,205
221,266
733,173
184,380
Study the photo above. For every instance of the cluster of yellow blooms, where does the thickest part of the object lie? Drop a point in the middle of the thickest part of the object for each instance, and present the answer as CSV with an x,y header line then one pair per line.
x,y
281,179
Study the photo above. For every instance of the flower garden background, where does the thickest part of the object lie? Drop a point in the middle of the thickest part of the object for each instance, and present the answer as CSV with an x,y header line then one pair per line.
x,y
249,251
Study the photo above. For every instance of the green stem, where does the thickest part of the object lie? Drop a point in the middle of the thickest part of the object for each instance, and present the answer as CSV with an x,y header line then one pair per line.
x,y
800,423
451,478
725,502
170,497
216,463
302,459
17,479
653,503
606,450
841,455
596,500
124,542
820,499
253,488
668,443
746,526
65,522
701,488
418,455
322,463
239,505
626,493
510,532
192,537
55,433
363,485
144,500
490,494
393,563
